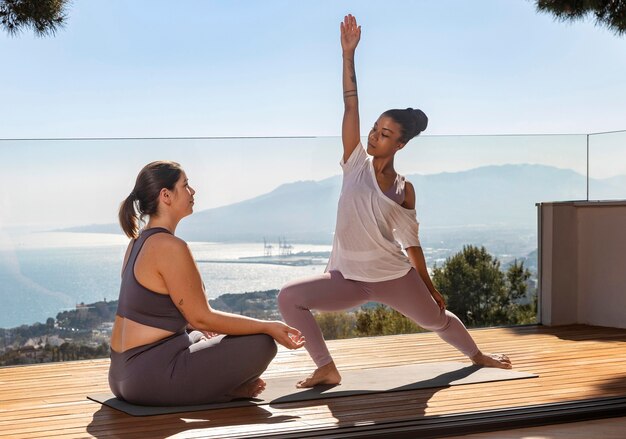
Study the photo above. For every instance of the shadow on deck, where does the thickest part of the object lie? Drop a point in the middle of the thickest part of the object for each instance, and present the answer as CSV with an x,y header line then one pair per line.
x,y
581,376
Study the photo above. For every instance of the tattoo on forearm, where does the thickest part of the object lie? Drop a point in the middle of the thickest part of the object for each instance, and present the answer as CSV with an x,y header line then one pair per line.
x,y
350,94
351,71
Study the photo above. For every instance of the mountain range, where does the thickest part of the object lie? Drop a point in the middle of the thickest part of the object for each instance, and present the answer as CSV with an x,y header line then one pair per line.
x,y
304,211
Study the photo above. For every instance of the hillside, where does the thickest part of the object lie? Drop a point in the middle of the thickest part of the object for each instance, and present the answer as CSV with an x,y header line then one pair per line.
x,y
304,211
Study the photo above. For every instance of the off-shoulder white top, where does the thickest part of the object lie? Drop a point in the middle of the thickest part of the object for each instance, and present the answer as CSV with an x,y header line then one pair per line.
x,y
371,228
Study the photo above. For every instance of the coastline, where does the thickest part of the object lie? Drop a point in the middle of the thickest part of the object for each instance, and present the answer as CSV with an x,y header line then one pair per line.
x,y
292,259
84,332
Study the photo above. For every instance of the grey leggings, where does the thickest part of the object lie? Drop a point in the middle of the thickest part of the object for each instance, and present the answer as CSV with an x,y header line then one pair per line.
x,y
184,370
331,292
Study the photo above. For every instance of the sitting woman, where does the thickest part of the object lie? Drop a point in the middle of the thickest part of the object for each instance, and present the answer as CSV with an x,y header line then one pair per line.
x,y
154,361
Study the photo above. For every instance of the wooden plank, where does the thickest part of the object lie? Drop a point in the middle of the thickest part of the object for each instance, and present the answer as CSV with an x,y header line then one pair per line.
x,y
575,362
612,428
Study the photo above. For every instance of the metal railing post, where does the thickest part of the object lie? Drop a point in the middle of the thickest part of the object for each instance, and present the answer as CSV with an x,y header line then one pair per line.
x,y
588,167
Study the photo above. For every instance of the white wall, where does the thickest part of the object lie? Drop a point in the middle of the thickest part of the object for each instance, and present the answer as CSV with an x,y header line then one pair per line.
x,y
583,263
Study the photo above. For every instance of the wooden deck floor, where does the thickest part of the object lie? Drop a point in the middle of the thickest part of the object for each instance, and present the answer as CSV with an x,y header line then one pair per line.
x,y
612,428
574,363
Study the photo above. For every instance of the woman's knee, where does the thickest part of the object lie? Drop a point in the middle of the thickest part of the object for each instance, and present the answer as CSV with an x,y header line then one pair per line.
x,y
437,322
264,348
287,298
269,345
255,350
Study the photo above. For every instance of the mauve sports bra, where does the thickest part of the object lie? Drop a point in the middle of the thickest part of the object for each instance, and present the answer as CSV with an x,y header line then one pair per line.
x,y
396,190
142,305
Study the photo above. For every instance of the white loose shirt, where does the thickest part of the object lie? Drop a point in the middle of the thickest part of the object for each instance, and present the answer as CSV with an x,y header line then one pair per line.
x,y
371,228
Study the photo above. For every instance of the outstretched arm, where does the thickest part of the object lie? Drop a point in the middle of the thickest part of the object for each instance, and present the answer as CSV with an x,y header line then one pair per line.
x,y
350,129
416,255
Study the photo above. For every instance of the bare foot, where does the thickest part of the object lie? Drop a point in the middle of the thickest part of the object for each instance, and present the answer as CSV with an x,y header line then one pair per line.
x,y
492,360
327,374
251,389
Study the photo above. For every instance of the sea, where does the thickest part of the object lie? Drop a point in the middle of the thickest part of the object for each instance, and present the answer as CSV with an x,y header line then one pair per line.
x,y
44,273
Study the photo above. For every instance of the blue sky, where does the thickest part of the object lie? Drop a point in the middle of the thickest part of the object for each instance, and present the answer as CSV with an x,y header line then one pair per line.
x,y
273,68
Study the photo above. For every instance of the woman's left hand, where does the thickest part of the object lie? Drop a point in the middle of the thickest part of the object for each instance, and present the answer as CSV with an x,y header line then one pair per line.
x,y
350,33
439,299
208,335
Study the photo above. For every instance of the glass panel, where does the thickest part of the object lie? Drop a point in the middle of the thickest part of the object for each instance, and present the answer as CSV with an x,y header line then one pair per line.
x,y
607,166
264,213
483,189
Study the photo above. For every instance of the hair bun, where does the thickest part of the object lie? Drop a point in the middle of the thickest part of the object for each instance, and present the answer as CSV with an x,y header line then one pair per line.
x,y
412,122
420,118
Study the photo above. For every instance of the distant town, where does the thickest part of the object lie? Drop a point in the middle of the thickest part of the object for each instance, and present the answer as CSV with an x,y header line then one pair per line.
x,y
85,332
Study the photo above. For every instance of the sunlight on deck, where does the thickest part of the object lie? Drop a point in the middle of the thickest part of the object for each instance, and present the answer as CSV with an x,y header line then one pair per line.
x,y
574,363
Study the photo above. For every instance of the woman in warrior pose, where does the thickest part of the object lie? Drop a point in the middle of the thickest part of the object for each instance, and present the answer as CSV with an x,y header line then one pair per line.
x,y
154,360
375,219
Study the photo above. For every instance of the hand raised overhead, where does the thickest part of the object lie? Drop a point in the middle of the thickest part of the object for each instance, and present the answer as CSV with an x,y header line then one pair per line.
x,y
350,33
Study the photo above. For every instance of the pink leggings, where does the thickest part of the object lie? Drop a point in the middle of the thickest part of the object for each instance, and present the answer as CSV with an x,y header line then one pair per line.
x,y
331,292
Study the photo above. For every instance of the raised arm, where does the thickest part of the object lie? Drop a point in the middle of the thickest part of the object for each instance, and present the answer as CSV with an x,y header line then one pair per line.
x,y
184,284
350,129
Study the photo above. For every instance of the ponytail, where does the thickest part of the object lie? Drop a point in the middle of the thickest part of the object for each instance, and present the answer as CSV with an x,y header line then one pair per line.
x,y
128,217
144,199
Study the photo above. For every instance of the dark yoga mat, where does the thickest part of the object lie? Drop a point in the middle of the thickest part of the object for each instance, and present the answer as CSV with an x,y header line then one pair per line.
x,y
354,382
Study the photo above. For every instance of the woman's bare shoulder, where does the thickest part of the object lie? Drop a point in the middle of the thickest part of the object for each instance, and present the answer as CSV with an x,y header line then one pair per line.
x,y
166,244
409,195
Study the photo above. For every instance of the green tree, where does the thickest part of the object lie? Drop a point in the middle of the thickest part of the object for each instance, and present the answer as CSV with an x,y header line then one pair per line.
x,y
518,283
382,320
608,13
480,293
45,17
336,325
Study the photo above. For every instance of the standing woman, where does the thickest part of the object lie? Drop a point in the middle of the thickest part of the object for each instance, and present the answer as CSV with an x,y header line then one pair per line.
x,y
154,361
375,220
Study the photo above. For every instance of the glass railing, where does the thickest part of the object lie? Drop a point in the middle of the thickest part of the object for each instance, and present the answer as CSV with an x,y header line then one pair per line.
x,y
264,215
607,166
